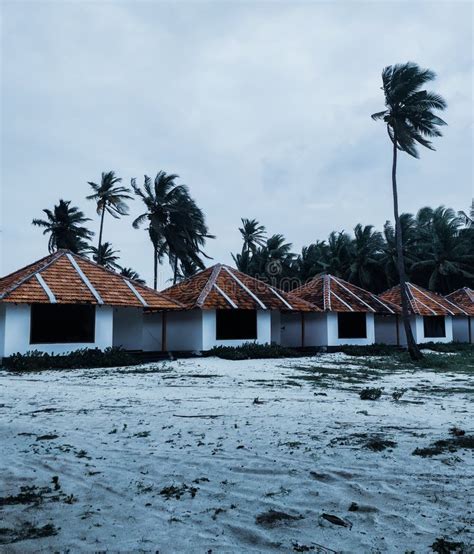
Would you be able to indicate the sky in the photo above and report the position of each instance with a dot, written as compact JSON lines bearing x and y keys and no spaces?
{"x":262,"y":109}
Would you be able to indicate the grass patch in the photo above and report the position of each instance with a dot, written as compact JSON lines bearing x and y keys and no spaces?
{"x":27,"y":531}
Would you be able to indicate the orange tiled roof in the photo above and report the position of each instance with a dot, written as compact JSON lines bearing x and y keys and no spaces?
{"x":67,"y":278}
{"x":464,"y":298}
{"x":422,"y":301}
{"x":223,"y":287}
{"x":332,"y":294}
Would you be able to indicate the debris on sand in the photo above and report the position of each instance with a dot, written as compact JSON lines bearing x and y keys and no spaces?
{"x":444,"y":546}
{"x":257,"y":401}
{"x":378,"y":444}
{"x":313,"y":548}
{"x":398,"y":393}
{"x":457,"y":432}
{"x":370,"y":394}
{"x":354,"y":507}
{"x":47,"y":437}
{"x":274,"y":517}
{"x":446,"y":445}
{"x":335,"y":520}
{"x":27,"y":531}
{"x":177,"y":492}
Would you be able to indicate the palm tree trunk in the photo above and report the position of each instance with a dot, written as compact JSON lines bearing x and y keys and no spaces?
{"x":155,"y":267}
{"x":175,"y":270}
{"x":100,"y":235}
{"x":413,"y":349}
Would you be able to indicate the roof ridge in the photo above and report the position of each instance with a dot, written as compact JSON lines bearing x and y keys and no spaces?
{"x":53,"y":258}
{"x":209,"y":284}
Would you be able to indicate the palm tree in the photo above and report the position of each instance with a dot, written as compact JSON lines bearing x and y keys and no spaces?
{"x":110,"y":198}
{"x":253,"y":235}
{"x":366,"y":248}
{"x":64,"y":224}
{"x":311,"y":260}
{"x":443,"y":260}
{"x":176,"y":225}
{"x":389,"y":259}
{"x":410,"y":120}
{"x":468,"y":219}
{"x":130,"y":273}
{"x":338,"y":254}
{"x":106,"y":256}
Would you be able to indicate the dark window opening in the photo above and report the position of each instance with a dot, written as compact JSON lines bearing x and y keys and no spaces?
{"x":236,"y":324}
{"x":351,"y":325}
{"x":60,"y":323}
{"x":434,"y":326}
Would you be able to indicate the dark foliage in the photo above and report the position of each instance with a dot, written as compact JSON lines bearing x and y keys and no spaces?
{"x":251,"y":350}
{"x":83,"y":358}
{"x":438,"y":247}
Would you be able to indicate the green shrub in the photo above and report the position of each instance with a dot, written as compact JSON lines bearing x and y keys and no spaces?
{"x":252,"y":350}
{"x":78,"y":359}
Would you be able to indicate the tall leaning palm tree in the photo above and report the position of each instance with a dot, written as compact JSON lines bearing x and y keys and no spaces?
{"x":64,"y":224}
{"x":109,"y":198}
{"x":409,"y":118}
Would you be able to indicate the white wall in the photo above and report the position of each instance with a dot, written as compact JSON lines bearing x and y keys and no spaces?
{"x":291,"y":329}
{"x":2,"y":330}
{"x":17,"y":332}
{"x":152,"y":331}
{"x":128,"y":328}
{"x":315,"y":329}
{"x":386,"y":329}
{"x":461,"y":326}
{"x":184,"y":331}
{"x":276,"y":327}
{"x":333,"y":334}
{"x":264,"y":330}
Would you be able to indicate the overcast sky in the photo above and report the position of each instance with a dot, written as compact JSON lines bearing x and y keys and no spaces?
{"x":262,"y":108}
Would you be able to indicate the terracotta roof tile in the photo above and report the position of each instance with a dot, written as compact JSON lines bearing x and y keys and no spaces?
{"x":464,"y":298}
{"x":422,"y":301}
{"x":63,"y":280}
{"x":223,"y":287}
{"x":332,"y":294}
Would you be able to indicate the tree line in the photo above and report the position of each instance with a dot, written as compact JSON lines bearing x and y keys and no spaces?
{"x":432,"y":248}
{"x":438,"y":247}
{"x":175,"y":225}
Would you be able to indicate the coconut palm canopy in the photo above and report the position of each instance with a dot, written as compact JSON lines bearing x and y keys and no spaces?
{"x":65,"y":226}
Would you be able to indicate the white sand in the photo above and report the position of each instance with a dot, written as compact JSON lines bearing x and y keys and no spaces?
{"x":300,"y":454}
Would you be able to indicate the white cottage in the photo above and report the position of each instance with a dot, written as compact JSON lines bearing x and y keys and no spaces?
{"x":431,"y":316}
{"x":463,"y":324}
{"x":225,"y":307}
{"x":65,"y":302}
{"x":347,"y":318}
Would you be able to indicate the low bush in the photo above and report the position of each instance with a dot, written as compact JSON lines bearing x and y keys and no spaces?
{"x":370,"y":394}
{"x":251,"y":350}
{"x":78,"y":359}
{"x":369,"y":350}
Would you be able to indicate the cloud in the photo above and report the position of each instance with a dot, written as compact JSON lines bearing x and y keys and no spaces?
{"x":263,"y":109}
